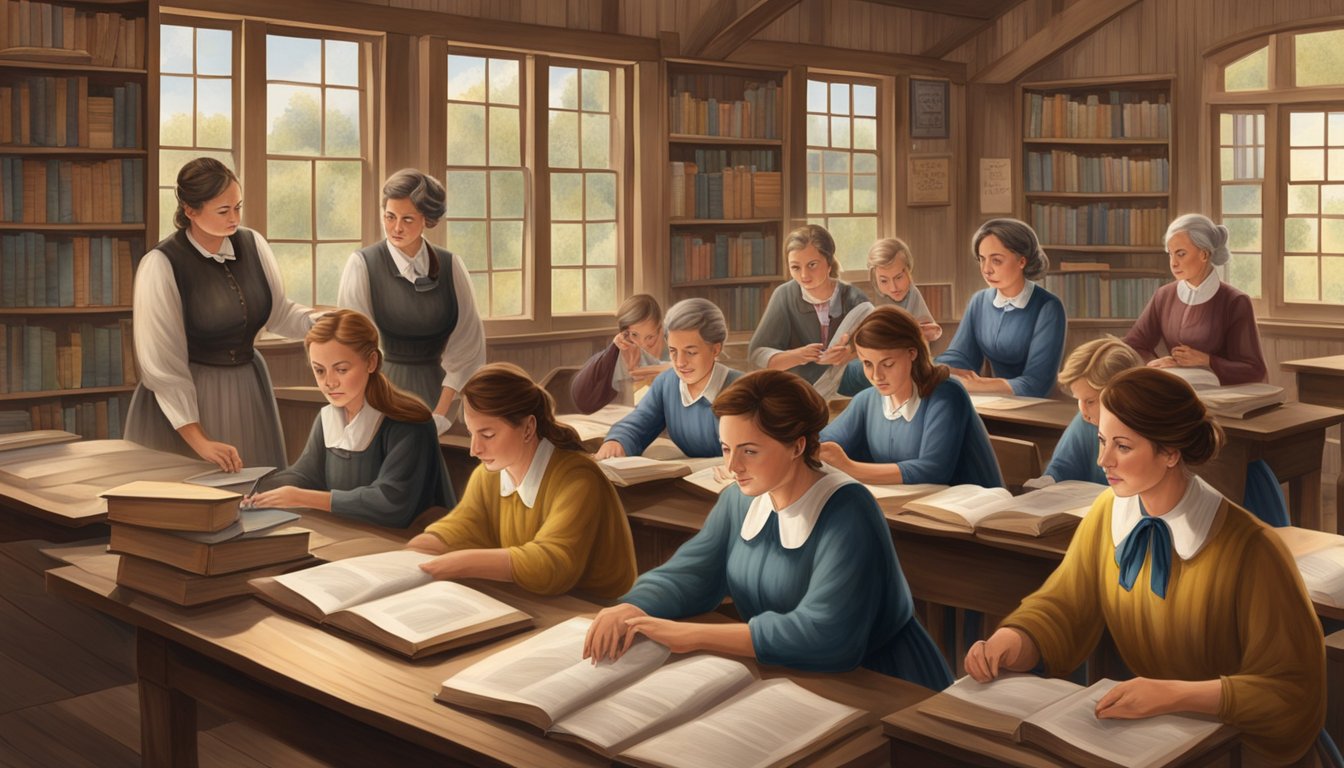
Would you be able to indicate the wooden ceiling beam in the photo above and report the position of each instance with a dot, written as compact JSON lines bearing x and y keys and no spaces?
{"x":1061,"y":31}
{"x":775,"y":54}
{"x":970,"y":9}
{"x":968,"y":33}
{"x":719,"y":33}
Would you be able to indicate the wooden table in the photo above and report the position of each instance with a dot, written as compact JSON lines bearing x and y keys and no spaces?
{"x":353,"y":704}
{"x":1320,"y":380}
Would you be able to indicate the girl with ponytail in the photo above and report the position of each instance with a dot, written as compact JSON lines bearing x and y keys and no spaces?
{"x":537,"y":511}
{"x":373,"y":452}
{"x":1203,"y":601}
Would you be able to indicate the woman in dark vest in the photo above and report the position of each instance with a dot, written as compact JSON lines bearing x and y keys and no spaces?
{"x":419,"y":296}
{"x":201,"y":297}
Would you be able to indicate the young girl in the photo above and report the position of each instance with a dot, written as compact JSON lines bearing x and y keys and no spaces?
{"x":537,"y":511}
{"x":797,"y":325}
{"x":892,"y":268}
{"x":633,"y":357}
{"x":805,"y":555}
{"x":1015,"y":324}
{"x":913,"y":425}
{"x":1203,"y":601}
{"x":680,"y":400}
{"x":373,"y":452}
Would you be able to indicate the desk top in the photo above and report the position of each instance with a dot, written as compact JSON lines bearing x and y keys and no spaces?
{"x":1332,"y":365}
{"x":396,"y":696}
{"x":1288,"y":419}
{"x":1054,"y":414}
{"x":301,"y":395}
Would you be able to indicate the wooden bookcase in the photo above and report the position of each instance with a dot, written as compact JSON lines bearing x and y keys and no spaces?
{"x":1097,"y":187}
{"x":77,"y":116}
{"x":727,"y":186}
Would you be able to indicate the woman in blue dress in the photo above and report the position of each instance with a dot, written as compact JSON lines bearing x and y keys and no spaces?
{"x":1015,"y":324}
{"x":681,"y":398}
{"x":806,"y":556}
{"x":914,"y":424}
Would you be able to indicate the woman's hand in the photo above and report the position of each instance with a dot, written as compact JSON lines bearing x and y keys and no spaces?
{"x":831,"y":453}
{"x":838,"y":354}
{"x":1163,"y":362}
{"x":444,"y":567}
{"x":609,"y":449}
{"x":1145,"y":697}
{"x":974,"y":382}
{"x":724,"y":475}
{"x":1006,"y":649}
{"x":1189,"y":357}
{"x":678,"y":636}
{"x":609,"y":636}
{"x":808,"y":353}
{"x":288,"y":496}
{"x":222,"y":455}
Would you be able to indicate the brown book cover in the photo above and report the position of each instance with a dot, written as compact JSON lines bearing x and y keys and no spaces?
{"x":172,"y":506}
{"x":82,"y":116}
{"x":189,"y":589}
{"x":268,"y":548}
{"x":100,"y":122}
{"x":125,"y":288}
{"x":128,"y":372}
{"x":100,"y":419}
{"x":61,"y":111}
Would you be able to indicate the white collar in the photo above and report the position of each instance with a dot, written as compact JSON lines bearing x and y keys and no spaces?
{"x":225,"y":249}
{"x":716,"y":378}
{"x":797,"y":520}
{"x":527,"y":490}
{"x":411,"y":267}
{"x":1189,"y":521}
{"x":1017,"y":302}
{"x":1196,"y":295}
{"x":352,"y":436}
{"x":833,"y":302}
{"x":906,"y":410}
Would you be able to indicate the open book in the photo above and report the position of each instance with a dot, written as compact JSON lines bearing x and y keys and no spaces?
{"x":386,"y":599}
{"x":595,"y":426}
{"x":691,"y":713}
{"x":631,"y":470}
{"x":1323,"y":573}
{"x":1060,"y":717}
{"x":828,"y":383}
{"x":1235,"y":401}
{"x":1005,"y":402}
{"x":1037,"y":513}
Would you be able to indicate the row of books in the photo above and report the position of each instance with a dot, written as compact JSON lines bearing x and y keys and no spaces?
{"x":1123,"y":115}
{"x":735,"y":193}
{"x":724,"y":105}
{"x":1065,"y":171}
{"x":81,"y":356}
{"x":37,"y":271}
{"x":101,"y":419}
{"x":61,"y":112}
{"x":1099,"y":224}
{"x":716,"y":160}
{"x":1094,"y":294}
{"x":748,"y":254}
{"x":72,"y":191}
{"x":101,"y":39}
{"x":742,"y":305}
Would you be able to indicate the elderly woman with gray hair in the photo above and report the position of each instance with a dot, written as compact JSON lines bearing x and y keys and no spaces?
{"x":1202,"y":321}
{"x":419,"y":295}
{"x":681,"y":399}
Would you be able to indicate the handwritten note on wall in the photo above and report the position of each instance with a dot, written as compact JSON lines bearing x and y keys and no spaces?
{"x":996,"y":185}
{"x":928,"y":181}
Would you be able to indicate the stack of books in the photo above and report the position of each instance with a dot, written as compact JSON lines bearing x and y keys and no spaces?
{"x":189,"y":544}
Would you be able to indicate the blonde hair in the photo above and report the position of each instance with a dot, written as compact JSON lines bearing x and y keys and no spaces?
{"x":884,"y":253}
{"x":356,"y":331}
{"x":1098,"y":361}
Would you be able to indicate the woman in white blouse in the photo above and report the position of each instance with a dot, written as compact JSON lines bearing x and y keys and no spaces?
{"x":419,"y":296}
{"x":201,"y":297}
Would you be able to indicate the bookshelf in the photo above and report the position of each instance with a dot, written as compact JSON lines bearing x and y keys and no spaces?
{"x":1097,"y":187}
{"x":726,"y":153}
{"x":76,"y":121}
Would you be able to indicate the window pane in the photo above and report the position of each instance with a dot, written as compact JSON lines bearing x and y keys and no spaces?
{"x":596,"y":141}
{"x":865,"y":133}
{"x":596,"y":90}
{"x":816,"y":96}
{"x":837,"y":194}
{"x":504,"y":81}
{"x":1332,"y":235}
{"x":1306,"y":129}
{"x":601,"y":289}
{"x":601,"y":242}
{"x":566,"y":291}
{"x":331,"y":258}
{"x":1335,"y":159}
{"x":837,"y":162}
{"x":214,"y":52}
{"x":1332,"y":279}
{"x":1319,"y":57}
{"x":567,"y":196}
{"x":601,"y":195}
{"x":466,"y":78}
{"x":1307,"y":164}
{"x":840,"y":98}
{"x":1336,"y":127}
{"x":1302,"y":198}
{"x":817,"y":128}
{"x":480,"y":288}
{"x":813,"y":160}
{"x":466,"y":194}
{"x":506,"y":194}
{"x":507,"y":294}
{"x":466,"y":134}
{"x":176,"y":107}
{"x":865,"y":162}
{"x":175,"y":49}
{"x":1243,"y":234}
{"x":296,"y":270}
{"x":1243,"y":271}
{"x":1299,"y":235}
{"x":294,"y":120}
{"x":564,"y":93}
{"x":214,"y":113}
{"x":865,"y":100}
{"x":293,"y":58}
{"x":167,"y":205}
{"x":567,"y":244}
{"x":1300,"y":278}
{"x":1241,"y":198}
{"x":814,"y":193}
{"x":1249,"y":73}
{"x":1332,"y":198}
{"x":564,"y":140}
{"x":852,"y":236}
{"x":340,"y":203}
{"x":506,"y":245}
{"x":505,"y":139}
{"x":342,"y":123}
{"x":289,"y":199}
{"x":342,"y":63}
{"x":172,"y":160}
{"x":467,"y":240}
{"x":839,"y":131}
{"x":865,"y":194}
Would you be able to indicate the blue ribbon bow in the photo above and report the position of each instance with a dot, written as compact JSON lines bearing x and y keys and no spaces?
{"x":1151,"y":534}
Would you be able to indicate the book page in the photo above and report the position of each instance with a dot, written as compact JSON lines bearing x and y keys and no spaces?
{"x":1016,"y":694}
{"x":218,"y":479}
{"x":1199,"y":378}
{"x":1072,"y":497}
{"x":1323,"y":573}
{"x":1240,"y":393}
{"x":1005,"y":402}
{"x":904,"y":490}
{"x":759,"y":726}
{"x":335,"y":586}
{"x":1150,"y":741}
{"x":705,"y":478}
{"x":596,"y":424}
{"x":666,"y":696}
{"x":548,"y":670}
{"x":432,"y":609}
{"x":828,"y":383}
{"x":969,"y":502}
{"x":249,"y":522}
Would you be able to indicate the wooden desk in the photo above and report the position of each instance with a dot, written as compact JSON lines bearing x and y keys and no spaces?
{"x":1042,"y":424}
{"x":1320,"y":380}
{"x":353,"y":704}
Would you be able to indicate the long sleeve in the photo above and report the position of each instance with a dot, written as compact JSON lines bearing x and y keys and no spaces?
{"x":964,"y":351}
{"x":853,"y":381}
{"x":464,"y":353}
{"x":695,"y":579}
{"x":391,"y":499}
{"x":309,"y":471}
{"x":849,"y":429}
{"x":287,"y":318}
{"x":354,"y":290}
{"x":1044,"y":353}
{"x":1243,"y":361}
{"x":556,"y":558}
{"x":591,"y":386}
{"x":1146,"y":333}
{"x":161,"y":340}
{"x":648,"y":420}
{"x":916,"y":307}
{"x":1075,"y":456}
{"x":940,"y":443}
{"x":772,"y":333}
{"x":829,"y":628}
{"x":472,"y":523}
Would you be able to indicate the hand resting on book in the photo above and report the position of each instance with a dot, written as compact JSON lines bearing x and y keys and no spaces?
{"x":614,"y":629}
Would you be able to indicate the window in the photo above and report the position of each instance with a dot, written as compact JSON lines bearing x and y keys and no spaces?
{"x":1242,"y":175}
{"x":842,"y":162}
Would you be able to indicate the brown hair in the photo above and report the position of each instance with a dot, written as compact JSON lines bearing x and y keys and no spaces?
{"x":637,"y":309}
{"x":783,"y":405}
{"x":1019,"y":238}
{"x":424,"y":191}
{"x":1164,"y":409}
{"x":506,"y":391}
{"x":198,"y":182}
{"x":816,"y":236}
{"x":890,"y":327}
{"x":1098,"y":361}
{"x":356,"y":331}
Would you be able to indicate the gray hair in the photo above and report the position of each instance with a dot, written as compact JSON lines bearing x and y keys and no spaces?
{"x":1206,"y":236}
{"x":700,"y":315}
{"x":636,"y":309}
{"x":424,"y":191}
{"x":1019,"y":238}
